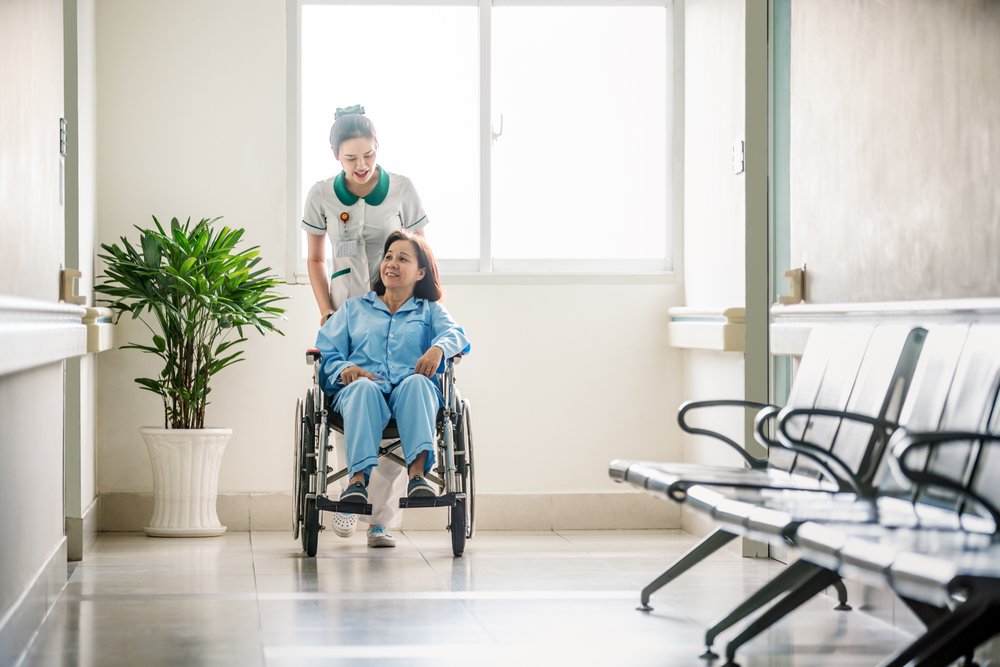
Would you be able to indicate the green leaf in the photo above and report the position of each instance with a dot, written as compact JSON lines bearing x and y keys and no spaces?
{"x":193,"y":287}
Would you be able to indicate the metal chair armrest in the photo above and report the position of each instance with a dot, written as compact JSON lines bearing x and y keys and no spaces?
{"x":760,"y":422}
{"x":829,"y":462}
{"x":688,"y":406}
{"x":933,"y":439}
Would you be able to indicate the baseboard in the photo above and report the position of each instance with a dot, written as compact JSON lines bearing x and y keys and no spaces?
{"x":81,"y":532}
{"x":130,"y":512}
{"x":20,"y":624}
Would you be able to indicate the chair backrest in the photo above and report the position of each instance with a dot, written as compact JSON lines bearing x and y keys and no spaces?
{"x":985,"y":478}
{"x":824,"y":378}
{"x":883,"y":381}
{"x":953,"y":389}
{"x":868,"y":376}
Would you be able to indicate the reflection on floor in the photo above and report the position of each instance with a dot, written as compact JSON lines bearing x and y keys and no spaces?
{"x":540,"y":598}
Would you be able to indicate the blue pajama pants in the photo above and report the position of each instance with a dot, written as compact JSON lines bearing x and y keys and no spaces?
{"x":414,"y":403}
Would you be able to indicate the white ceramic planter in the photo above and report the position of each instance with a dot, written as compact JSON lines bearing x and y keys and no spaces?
{"x":185,"y":480}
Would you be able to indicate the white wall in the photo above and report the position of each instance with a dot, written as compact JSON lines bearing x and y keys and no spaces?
{"x":31,"y":248}
{"x":81,"y":227}
{"x":191,"y":113}
{"x":31,"y":214}
{"x":714,"y":202}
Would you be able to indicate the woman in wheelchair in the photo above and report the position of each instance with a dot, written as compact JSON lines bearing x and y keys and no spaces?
{"x":381,"y":354}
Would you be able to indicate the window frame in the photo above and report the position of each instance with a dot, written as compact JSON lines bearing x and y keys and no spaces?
{"x":486,"y":268}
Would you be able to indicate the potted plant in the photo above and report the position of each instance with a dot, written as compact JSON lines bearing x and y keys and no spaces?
{"x":197,"y":294}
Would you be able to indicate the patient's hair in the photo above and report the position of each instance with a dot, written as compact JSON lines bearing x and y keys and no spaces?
{"x":428,"y":287}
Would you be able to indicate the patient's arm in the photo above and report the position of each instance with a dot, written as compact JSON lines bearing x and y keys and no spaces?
{"x":352,"y":373}
{"x":429,"y":362}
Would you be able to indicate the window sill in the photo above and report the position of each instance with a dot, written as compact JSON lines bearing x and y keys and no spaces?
{"x":510,"y":278}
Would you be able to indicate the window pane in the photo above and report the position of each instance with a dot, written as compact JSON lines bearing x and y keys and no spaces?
{"x":415,"y":71}
{"x":580,"y":170}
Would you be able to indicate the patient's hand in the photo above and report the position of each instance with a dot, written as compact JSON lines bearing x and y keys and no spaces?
{"x":429,"y":362}
{"x":352,"y":373}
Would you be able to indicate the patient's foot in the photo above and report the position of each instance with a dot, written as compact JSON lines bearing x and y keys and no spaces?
{"x":355,"y":493}
{"x":419,"y":488}
{"x":344,"y":524}
{"x":379,"y":537}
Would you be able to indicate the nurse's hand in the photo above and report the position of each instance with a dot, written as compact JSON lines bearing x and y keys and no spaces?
{"x":429,"y":362}
{"x":352,"y":373}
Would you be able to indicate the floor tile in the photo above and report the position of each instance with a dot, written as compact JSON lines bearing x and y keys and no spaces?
{"x":521,"y":598}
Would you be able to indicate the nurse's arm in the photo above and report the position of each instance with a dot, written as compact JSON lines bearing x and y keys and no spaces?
{"x":316,"y":265}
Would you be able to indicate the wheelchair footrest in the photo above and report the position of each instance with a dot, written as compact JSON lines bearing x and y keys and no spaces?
{"x":328,"y":505}
{"x":446,"y":500}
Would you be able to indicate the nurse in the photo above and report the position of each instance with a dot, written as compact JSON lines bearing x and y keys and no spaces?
{"x":357,"y":210}
{"x":381,"y":354}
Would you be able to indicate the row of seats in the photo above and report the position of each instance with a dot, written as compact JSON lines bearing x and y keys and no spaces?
{"x":881,"y":467}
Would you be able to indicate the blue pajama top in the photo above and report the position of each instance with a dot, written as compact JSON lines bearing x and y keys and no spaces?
{"x":363,"y":333}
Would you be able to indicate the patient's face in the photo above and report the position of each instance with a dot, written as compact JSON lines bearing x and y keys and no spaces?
{"x":399,"y":266}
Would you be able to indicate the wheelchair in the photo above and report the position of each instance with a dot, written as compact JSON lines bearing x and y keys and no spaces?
{"x":453,"y":471}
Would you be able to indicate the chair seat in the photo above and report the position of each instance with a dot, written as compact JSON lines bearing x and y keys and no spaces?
{"x":869,"y":551}
{"x":676,"y":479}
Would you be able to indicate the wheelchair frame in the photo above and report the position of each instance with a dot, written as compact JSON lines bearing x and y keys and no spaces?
{"x":453,"y":469}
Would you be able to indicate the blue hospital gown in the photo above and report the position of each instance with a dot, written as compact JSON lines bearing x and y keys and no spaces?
{"x":364,"y":333}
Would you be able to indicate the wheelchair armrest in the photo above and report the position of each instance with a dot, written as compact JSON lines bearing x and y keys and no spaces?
{"x":312,"y":356}
{"x":752,"y":461}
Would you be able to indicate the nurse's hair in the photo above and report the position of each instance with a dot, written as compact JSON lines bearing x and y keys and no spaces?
{"x":428,"y":287}
{"x":350,"y":123}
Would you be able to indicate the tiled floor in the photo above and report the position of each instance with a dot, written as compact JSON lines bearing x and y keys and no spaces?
{"x":541,"y":598}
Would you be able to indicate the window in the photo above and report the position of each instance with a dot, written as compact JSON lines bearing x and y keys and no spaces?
{"x":537,"y":134}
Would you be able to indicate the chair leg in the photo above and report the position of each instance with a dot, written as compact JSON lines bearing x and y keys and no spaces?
{"x":841,"y":595}
{"x":709,"y":545}
{"x":795,"y":599}
{"x":952,"y":637}
{"x":927,"y":613}
{"x":789,"y":578}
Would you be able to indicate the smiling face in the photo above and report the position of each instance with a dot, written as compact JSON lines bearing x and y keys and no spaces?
{"x":357,"y":157}
{"x":400,"y":269}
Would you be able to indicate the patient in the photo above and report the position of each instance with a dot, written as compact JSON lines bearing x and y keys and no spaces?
{"x":381,"y":355}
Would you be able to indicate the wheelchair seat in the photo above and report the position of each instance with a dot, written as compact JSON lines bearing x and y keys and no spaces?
{"x":336,"y":421}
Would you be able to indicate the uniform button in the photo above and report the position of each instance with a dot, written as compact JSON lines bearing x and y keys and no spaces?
{"x":361,"y":243}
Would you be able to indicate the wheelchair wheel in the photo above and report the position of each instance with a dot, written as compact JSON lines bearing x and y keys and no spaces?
{"x":462,"y":515}
{"x":458,"y":527}
{"x":310,"y":528}
{"x":298,"y":456}
{"x":308,"y":514}
{"x":465,"y":463}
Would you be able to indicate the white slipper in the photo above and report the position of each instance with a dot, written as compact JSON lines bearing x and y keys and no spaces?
{"x":344,"y":524}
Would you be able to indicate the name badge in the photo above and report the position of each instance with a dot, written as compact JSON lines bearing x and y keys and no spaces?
{"x":347,"y":248}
